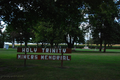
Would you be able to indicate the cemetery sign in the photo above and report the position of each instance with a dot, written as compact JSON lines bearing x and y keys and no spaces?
{"x":44,"y":57}
{"x":45,"y":50}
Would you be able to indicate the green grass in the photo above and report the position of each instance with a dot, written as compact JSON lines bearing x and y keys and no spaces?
{"x":84,"y":65}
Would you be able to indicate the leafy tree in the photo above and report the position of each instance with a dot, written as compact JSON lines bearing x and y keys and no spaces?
{"x":45,"y":32}
{"x":11,"y":34}
{"x":72,"y":16}
{"x":65,"y":13}
{"x":60,"y":15}
{"x":103,"y":22}
{"x":19,"y":16}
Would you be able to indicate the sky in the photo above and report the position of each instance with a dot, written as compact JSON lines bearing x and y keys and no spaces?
{"x":2,"y":23}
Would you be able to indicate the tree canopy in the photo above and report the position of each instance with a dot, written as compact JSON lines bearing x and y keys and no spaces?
{"x":53,"y":21}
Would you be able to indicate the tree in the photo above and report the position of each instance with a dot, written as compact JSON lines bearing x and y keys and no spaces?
{"x":20,"y":12}
{"x":72,"y":16}
{"x":66,"y":14}
{"x":103,"y":22}
{"x":11,"y":34}
{"x":45,"y":32}
{"x":60,"y":15}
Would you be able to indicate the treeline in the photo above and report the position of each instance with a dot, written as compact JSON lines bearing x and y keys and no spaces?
{"x":66,"y":46}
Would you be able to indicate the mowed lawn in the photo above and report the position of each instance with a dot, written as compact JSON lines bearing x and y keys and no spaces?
{"x":84,"y":65}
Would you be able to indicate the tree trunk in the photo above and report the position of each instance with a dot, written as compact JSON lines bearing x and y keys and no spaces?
{"x":37,"y":44}
{"x":25,"y":53}
{"x":104,"y":47}
{"x":13,"y":43}
{"x":2,"y":41}
{"x":21,"y":44}
{"x":56,"y":45}
{"x":100,"y":49}
{"x":108,"y":45}
{"x":111,"y":45}
{"x":42,"y":45}
{"x":71,"y":44}
{"x":97,"y":45}
{"x":51,"y":43}
{"x":25,"y":46}
{"x":91,"y":46}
